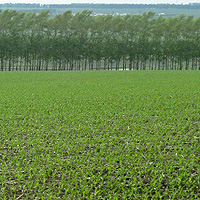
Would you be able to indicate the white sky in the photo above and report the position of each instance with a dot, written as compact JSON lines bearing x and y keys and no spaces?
{"x":100,"y":1}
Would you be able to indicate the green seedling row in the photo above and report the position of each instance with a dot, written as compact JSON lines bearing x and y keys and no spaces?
{"x":100,"y":135}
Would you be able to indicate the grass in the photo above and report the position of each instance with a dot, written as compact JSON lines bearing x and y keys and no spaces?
{"x":100,"y":135}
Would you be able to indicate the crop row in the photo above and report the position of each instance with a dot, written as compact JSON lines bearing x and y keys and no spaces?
{"x":100,"y":135}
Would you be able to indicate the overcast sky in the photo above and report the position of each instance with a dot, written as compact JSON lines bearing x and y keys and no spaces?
{"x":100,"y":1}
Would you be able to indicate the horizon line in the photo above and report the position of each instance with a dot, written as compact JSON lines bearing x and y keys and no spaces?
{"x":108,"y":3}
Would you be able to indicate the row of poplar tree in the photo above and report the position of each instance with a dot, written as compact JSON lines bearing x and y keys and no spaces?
{"x":81,"y":41}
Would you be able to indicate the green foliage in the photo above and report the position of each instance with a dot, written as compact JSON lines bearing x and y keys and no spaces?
{"x":81,"y":41}
{"x":100,"y":135}
{"x":169,"y":10}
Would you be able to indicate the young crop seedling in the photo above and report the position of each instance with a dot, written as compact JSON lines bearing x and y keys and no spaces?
{"x":100,"y":135}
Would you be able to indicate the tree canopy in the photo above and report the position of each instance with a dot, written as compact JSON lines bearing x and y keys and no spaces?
{"x":30,"y":41}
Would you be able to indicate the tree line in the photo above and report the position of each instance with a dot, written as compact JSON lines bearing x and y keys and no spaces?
{"x":101,"y":6}
{"x":30,"y":41}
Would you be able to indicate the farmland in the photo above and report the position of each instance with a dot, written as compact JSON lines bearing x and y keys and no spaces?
{"x":100,"y":135}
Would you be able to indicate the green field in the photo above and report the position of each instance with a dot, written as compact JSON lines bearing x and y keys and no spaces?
{"x":100,"y":135}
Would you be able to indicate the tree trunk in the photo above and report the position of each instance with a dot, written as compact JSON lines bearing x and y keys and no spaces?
{"x":196,"y":64}
{"x":105,"y":64}
{"x":144,"y":65}
{"x":192,"y":64}
{"x":159,"y":65}
{"x":124,"y":64}
{"x":130,"y":65}
{"x":9,"y":65}
{"x":1,"y":63}
{"x":13,"y":64}
{"x":20,"y":64}
{"x":187,"y":64}
{"x":152,"y":65}
{"x":60,"y":65}
{"x":17,"y":64}
{"x":180,"y":64}
{"x":92,"y":65}
{"x":199,"y":63}
{"x":85,"y":67}
{"x":155,"y":64}
{"x":163,"y":64}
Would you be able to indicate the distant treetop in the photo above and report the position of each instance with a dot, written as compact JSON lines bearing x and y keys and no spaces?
{"x":102,"y":6}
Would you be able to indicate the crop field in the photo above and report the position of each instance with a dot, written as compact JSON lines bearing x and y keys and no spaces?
{"x":100,"y":135}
